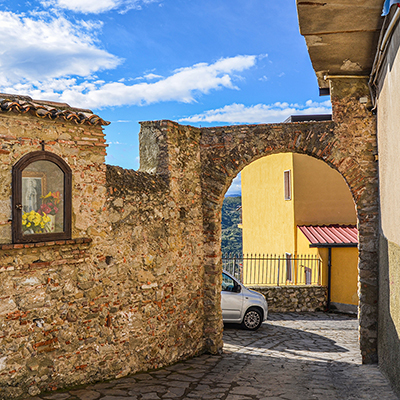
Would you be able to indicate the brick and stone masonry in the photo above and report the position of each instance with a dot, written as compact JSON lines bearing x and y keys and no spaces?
{"x":295,"y":298}
{"x":138,"y":285}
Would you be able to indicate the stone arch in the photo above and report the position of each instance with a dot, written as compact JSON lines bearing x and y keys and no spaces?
{"x":225,"y":151}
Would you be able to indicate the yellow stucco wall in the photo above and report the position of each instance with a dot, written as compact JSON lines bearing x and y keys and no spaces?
{"x":344,"y":275}
{"x":267,"y":219}
{"x":303,"y":248}
{"x":319,"y":196}
{"x":322,"y":195}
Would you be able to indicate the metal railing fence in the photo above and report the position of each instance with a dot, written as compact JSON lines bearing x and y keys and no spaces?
{"x":274,"y":270}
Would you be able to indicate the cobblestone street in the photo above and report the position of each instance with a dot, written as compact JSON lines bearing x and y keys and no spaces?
{"x":291,"y":357}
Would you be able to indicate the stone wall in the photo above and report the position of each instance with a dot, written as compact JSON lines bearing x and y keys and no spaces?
{"x":348,"y":144}
{"x":295,"y":298}
{"x":356,"y":128}
{"x":138,"y":286}
{"x":81,"y":146}
{"x":126,"y":292}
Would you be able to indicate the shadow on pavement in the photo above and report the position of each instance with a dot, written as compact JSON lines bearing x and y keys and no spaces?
{"x":280,"y":338}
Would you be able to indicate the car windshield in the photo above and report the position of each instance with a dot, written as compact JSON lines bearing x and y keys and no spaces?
{"x":228,"y":284}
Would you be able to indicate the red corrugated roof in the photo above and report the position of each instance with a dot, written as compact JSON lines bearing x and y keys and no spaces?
{"x":330,"y":234}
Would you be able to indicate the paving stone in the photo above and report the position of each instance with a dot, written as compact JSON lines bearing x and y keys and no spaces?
{"x":292,"y":356}
{"x":113,"y":392}
{"x":151,"y":396}
{"x":178,"y":392}
{"x":56,"y":396}
{"x":103,"y":385}
{"x":118,"y":398}
{"x":86,"y":394}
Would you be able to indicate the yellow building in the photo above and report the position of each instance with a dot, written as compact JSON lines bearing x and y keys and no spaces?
{"x":285,"y":194}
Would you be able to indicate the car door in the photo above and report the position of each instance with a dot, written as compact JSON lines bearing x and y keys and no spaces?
{"x":231,"y":300}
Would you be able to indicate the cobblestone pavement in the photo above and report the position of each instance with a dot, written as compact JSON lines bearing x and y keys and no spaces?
{"x":291,"y":357}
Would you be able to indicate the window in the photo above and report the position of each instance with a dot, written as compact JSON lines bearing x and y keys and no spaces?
{"x":228,"y":284}
{"x":287,"y":184}
{"x":41,"y":185}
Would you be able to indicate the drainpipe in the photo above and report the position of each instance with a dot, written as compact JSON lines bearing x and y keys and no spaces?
{"x":380,"y":54}
{"x":328,"y":305}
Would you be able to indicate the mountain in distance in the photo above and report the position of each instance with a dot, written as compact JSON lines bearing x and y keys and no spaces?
{"x":231,"y":216}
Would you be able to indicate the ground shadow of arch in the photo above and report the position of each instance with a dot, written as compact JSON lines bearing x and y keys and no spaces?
{"x":225,"y":151}
{"x":281,"y":339}
{"x":305,"y":316}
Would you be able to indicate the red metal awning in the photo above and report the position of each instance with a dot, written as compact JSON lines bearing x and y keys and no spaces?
{"x":330,"y":235}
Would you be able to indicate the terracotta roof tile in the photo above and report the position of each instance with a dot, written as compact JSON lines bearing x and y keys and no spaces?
{"x":48,"y":109}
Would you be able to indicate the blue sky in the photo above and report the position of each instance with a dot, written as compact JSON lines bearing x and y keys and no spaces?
{"x":204,"y":62}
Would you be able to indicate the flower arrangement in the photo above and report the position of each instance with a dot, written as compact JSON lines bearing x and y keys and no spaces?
{"x":33,"y":222}
{"x":49,"y":205}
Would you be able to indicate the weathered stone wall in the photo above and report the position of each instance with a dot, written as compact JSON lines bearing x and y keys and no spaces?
{"x":356,"y":128}
{"x":126,"y":293}
{"x":82,"y":147}
{"x":138,"y":286}
{"x":295,"y":298}
{"x":348,"y":144}
{"x":48,"y":289}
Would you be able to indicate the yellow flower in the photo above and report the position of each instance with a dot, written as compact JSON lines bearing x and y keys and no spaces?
{"x":47,"y":196}
{"x":28,"y":224}
{"x":24,"y":222}
{"x":42,"y":225}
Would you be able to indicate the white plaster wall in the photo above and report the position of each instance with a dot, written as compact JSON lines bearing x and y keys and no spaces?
{"x":389,"y":143}
{"x":389,"y":187}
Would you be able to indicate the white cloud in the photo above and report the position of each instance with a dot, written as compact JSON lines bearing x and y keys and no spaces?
{"x":152,"y":76}
{"x":259,"y":113}
{"x":46,"y":56}
{"x":183,"y":85}
{"x":33,"y":49}
{"x":97,"y":6}
{"x":236,"y":187}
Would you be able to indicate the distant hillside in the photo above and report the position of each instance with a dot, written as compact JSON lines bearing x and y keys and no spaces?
{"x":231,"y":234}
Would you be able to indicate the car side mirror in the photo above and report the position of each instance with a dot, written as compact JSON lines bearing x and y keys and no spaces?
{"x":238,"y":288}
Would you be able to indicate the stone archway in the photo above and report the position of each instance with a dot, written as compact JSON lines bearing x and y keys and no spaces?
{"x":200,"y":163}
{"x":226,"y":151}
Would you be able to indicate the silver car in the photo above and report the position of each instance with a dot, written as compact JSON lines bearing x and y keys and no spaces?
{"x":242,"y":305}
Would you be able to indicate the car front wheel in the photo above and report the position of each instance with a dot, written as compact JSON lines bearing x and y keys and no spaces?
{"x":252,"y":320}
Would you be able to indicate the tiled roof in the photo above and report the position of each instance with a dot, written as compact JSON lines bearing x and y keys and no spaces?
{"x":331,"y":235}
{"x":48,"y":109}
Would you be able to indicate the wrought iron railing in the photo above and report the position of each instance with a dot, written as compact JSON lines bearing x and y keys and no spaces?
{"x":274,"y":270}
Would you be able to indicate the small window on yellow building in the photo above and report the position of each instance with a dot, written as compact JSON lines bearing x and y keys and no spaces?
{"x":288,"y":185}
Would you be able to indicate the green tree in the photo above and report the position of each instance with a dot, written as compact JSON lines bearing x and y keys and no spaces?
{"x":231,"y":216}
